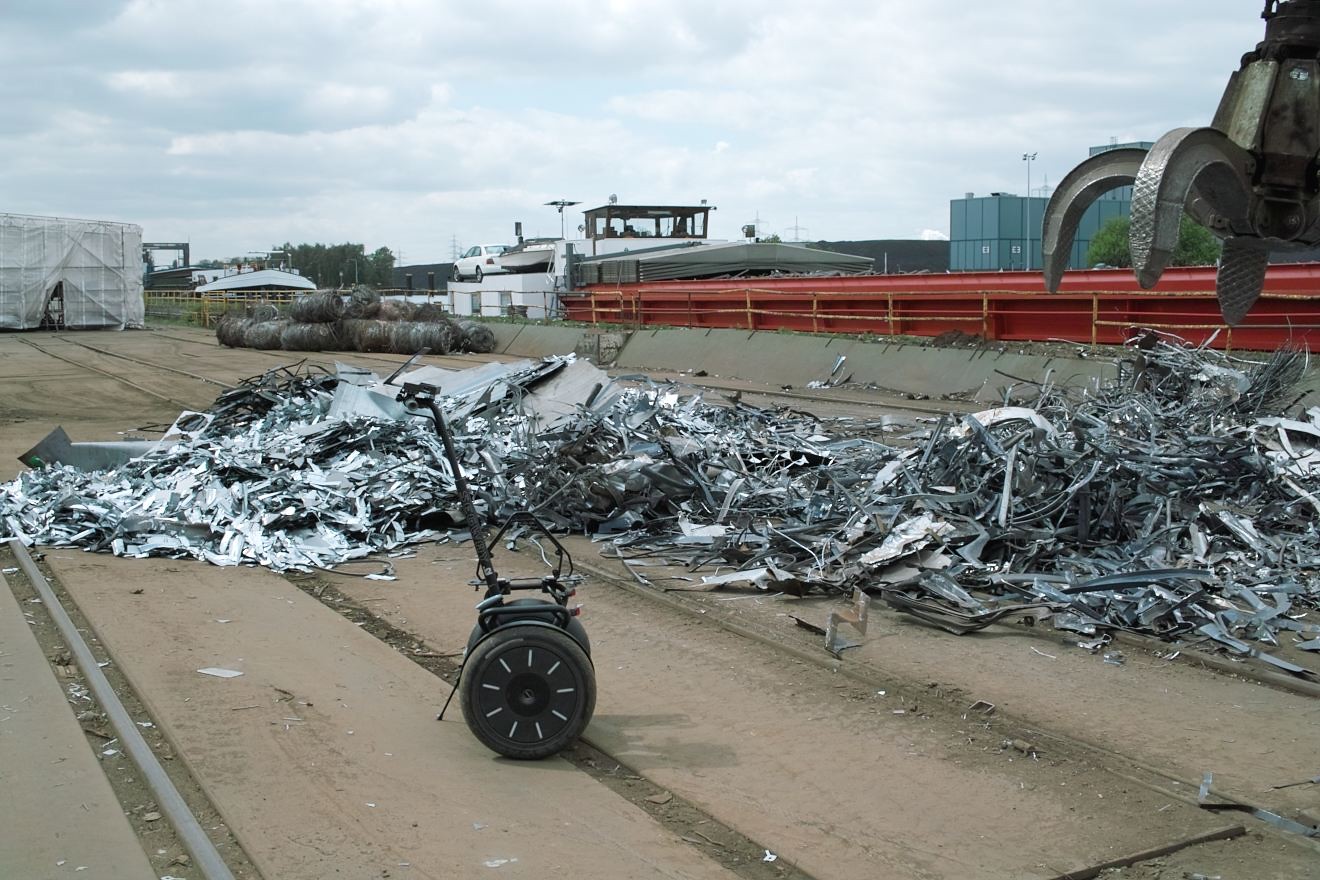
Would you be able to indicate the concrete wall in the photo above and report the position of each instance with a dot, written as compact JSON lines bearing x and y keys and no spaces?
{"x":796,"y":359}
{"x":792,"y":359}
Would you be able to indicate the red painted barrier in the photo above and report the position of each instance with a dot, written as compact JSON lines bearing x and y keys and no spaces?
{"x":1101,"y":306}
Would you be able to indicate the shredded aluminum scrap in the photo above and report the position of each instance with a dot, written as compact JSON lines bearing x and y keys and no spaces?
{"x":1179,"y":502}
{"x":290,"y":470}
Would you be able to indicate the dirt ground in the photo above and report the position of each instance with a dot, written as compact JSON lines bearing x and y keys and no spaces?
{"x":726,"y":741}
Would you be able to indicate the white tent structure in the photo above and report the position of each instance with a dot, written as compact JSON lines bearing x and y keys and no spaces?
{"x":80,"y":274}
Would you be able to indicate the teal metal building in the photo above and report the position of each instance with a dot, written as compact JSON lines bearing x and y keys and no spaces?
{"x":1002,"y":231}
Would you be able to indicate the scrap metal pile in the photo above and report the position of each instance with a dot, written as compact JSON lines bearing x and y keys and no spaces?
{"x":1178,"y":502}
{"x":291,"y":469}
{"x":324,"y":321}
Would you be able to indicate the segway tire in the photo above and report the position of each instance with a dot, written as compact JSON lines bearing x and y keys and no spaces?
{"x":575,"y":628}
{"x":528,"y":691}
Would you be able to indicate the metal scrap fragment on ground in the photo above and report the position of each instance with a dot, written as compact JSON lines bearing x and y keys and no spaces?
{"x":1179,"y":502}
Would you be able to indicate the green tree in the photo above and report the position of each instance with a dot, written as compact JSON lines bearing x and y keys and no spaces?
{"x":380,"y":268}
{"x":336,"y":264}
{"x":1197,"y":246}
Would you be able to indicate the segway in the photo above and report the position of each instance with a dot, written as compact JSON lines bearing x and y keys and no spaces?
{"x":527,"y":686}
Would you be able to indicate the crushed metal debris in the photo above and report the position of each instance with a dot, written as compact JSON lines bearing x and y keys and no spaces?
{"x":1178,"y":502}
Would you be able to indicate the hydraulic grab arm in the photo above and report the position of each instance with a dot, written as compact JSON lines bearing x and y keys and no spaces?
{"x":1250,"y":177}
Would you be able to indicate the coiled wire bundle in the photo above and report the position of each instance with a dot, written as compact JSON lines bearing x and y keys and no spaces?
{"x":365,"y":323}
{"x":322,"y":307}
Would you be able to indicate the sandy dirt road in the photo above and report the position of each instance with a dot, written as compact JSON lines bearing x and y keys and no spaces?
{"x":839,"y":779}
{"x":829,"y":777}
{"x":1140,"y":707}
{"x":325,"y":756}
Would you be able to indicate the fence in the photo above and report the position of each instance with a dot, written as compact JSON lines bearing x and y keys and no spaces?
{"x":183,"y":306}
{"x":204,"y":310}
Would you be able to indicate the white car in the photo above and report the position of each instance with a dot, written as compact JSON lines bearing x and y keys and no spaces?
{"x":479,"y":260}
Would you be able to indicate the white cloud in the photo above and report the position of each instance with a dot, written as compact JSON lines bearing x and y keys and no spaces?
{"x":412,"y":122}
{"x":149,"y":83}
{"x":344,"y":99}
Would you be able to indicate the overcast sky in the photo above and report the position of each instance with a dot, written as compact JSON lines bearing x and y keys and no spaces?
{"x":409,"y":124}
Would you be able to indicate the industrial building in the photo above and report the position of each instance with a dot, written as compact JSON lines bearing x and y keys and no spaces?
{"x":1002,"y":231}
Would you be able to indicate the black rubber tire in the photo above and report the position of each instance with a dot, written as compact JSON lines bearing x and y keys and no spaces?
{"x":534,"y":679}
{"x":575,"y":628}
{"x":478,"y":275}
{"x":456,"y":275}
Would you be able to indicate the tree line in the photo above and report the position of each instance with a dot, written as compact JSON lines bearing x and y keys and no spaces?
{"x":1197,"y":246}
{"x":333,"y":265}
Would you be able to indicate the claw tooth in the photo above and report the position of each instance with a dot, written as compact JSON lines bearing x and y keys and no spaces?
{"x":1075,"y":193}
{"x":1241,"y":276}
{"x":1163,"y":186}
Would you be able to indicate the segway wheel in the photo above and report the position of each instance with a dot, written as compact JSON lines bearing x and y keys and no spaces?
{"x":527,"y":691}
{"x":575,"y":628}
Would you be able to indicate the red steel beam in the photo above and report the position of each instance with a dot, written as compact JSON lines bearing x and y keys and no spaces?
{"x":1096,"y":306}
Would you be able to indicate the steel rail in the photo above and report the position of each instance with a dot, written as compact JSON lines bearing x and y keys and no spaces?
{"x":134,"y":360}
{"x":120,"y":379}
{"x":171,"y":803}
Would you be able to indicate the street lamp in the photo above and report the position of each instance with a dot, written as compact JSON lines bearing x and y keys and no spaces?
{"x":1026,"y":231}
{"x":561,"y":204}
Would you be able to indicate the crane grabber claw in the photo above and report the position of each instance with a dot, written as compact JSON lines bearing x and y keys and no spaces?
{"x":1087,"y":182}
{"x":1250,"y":177}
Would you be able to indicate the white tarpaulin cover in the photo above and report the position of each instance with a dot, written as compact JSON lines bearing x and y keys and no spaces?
{"x":96,"y":266}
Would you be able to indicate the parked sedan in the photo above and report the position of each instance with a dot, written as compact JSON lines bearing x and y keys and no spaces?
{"x":479,"y":260}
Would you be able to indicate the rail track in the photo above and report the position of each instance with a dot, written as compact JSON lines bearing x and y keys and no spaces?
{"x":140,"y":767}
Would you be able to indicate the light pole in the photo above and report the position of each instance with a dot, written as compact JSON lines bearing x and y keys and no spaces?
{"x":561,"y":204}
{"x":1026,"y":231}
